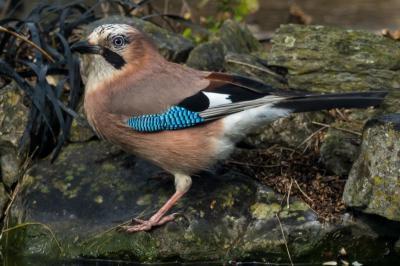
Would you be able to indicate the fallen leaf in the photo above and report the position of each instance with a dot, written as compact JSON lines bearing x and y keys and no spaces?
{"x":213,"y":204}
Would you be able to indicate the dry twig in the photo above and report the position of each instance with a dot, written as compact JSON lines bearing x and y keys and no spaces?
{"x":302,"y":191}
{"x":31,"y":43}
{"x":259,"y":68}
{"x":283,"y":234}
{"x":114,"y":228}
{"x":320,"y":124}
{"x":45,"y":226}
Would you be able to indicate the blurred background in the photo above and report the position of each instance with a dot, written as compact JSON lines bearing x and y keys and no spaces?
{"x":262,"y":16}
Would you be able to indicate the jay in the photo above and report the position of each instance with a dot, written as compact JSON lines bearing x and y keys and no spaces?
{"x":178,"y":118}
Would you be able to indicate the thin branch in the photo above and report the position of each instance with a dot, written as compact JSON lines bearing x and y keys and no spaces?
{"x":185,"y":4}
{"x":316,"y":123}
{"x":23,"y":225}
{"x":302,"y":191}
{"x":290,"y":188}
{"x":283,"y":234}
{"x":312,"y":135}
{"x":259,"y":68}
{"x":111,"y":229}
{"x":256,"y":165}
{"x":31,"y":43}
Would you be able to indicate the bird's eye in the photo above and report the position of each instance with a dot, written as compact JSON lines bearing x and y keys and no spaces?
{"x":119,"y":41}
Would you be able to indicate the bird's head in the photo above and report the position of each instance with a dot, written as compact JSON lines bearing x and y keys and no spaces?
{"x":114,"y":45}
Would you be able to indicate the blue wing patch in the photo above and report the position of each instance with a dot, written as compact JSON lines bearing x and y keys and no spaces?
{"x":174,"y":118}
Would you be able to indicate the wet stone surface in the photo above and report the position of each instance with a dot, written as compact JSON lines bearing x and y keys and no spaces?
{"x":78,"y":199}
{"x":374,"y":185}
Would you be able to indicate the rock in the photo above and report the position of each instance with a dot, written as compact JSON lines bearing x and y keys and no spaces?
{"x":174,"y":47}
{"x":232,"y":64}
{"x":237,"y":38}
{"x":3,"y":200}
{"x":208,"y":56}
{"x":78,"y":199}
{"x":232,"y":37}
{"x":323,"y":59}
{"x":78,"y":132}
{"x":289,"y":132}
{"x":363,"y":114}
{"x":397,"y":246}
{"x":339,"y":148}
{"x":13,"y":119}
{"x":373,"y":184}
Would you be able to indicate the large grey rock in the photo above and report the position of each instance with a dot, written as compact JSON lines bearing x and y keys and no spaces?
{"x":13,"y":119}
{"x":78,"y":132}
{"x":79,"y":199}
{"x":232,"y":37}
{"x":290,"y":131}
{"x":373,"y":184}
{"x":339,"y":149}
{"x":172,"y":46}
{"x":323,"y":59}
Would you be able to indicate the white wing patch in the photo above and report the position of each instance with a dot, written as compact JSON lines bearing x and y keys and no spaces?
{"x":217,"y":99}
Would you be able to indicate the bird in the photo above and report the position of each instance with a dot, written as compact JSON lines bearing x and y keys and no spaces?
{"x":181,"y":119}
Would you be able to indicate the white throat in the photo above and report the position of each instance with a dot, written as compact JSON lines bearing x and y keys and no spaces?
{"x":97,"y":70}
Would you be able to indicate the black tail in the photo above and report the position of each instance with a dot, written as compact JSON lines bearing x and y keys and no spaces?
{"x":317,"y":102}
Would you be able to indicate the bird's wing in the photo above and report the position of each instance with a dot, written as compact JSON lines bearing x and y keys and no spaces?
{"x":228,"y":94}
{"x":183,"y":97}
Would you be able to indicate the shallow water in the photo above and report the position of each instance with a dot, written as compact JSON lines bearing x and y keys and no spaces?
{"x":13,"y":261}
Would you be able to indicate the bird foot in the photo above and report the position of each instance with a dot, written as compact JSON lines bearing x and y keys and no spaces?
{"x":147,"y":225}
{"x":163,"y":177}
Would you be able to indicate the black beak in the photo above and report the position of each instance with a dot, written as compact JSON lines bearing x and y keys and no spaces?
{"x":85,"y":48}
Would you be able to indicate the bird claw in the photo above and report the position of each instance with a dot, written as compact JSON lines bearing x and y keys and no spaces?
{"x":147,"y":225}
{"x":163,"y":177}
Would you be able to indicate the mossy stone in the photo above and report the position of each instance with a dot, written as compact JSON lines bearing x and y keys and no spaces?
{"x":373,"y":185}
{"x":78,"y":132}
{"x":78,"y":200}
{"x":13,"y":120}
{"x":233,"y":37}
{"x":338,"y":150}
{"x":330,"y":60}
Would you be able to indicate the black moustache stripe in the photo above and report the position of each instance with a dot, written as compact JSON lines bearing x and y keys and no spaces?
{"x":113,"y":58}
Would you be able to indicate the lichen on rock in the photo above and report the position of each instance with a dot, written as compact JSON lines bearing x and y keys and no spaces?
{"x":374,"y":185}
{"x":13,"y":120}
{"x":330,"y":60}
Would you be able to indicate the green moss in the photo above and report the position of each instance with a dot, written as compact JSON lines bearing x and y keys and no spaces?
{"x":145,"y":200}
{"x":298,"y":206}
{"x":262,"y":210}
{"x":98,"y":199}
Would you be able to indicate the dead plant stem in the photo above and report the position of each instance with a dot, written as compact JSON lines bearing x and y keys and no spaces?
{"x":31,"y":43}
{"x":283,"y":234}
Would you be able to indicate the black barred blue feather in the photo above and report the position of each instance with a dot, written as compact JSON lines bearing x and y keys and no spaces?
{"x":174,"y":118}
